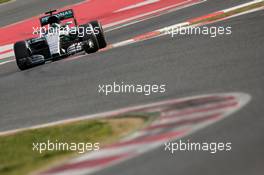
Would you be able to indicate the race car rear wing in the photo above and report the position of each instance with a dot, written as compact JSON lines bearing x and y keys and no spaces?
{"x":67,"y":14}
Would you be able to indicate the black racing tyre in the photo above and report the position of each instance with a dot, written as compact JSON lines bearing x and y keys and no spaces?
{"x":21,"y":52}
{"x":88,"y":37}
{"x":99,"y":32}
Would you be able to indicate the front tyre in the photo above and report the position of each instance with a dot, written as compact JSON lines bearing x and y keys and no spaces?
{"x":21,"y":54}
{"x":99,"y":32}
{"x":89,"y":40}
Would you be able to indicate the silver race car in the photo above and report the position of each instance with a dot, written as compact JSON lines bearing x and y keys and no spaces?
{"x":58,"y":40}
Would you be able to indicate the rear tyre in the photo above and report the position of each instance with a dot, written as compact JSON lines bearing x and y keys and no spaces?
{"x":99,"y":32}
{"x":21,"y":53}
{"x":90,"y":42}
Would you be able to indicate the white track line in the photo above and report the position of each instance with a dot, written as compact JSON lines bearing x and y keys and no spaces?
{"x":6,"y":47}
{"x":140,"y":4}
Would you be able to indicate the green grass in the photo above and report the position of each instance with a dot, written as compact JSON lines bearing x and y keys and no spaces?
{"x":16,"y":150}
{"x":233,"y":12}
{"x":3,"y":1}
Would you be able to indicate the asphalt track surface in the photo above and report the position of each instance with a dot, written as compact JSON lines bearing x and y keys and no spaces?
{"x":199,"y":65}
{"x":188,"y":65}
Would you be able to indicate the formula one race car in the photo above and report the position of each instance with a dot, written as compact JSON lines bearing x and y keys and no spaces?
{"x":57,"y":40}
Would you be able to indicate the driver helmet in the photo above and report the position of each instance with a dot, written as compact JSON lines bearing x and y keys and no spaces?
{"x":54,"y":21}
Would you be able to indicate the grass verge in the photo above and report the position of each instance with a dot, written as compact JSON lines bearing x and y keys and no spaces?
{"x":16,"y":150}
{"x":3,"y":1}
